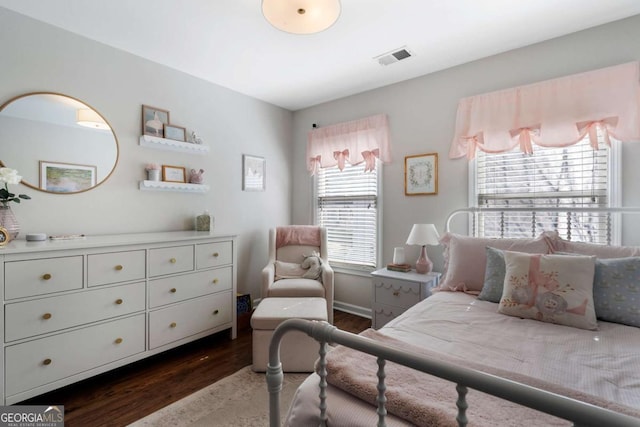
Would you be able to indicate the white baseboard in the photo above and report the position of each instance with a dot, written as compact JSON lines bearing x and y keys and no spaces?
{"x":352,"y":309}
{"x":341,"y":306}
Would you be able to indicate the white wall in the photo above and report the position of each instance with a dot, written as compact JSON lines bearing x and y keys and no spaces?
{"x":422,"y":115}
{"x":39,"y":57}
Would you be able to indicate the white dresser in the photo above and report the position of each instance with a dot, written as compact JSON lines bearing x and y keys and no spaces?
{"x":394,"y":292}
{"x":75,"y":308}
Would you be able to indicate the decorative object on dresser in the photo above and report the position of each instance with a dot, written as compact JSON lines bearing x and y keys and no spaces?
{"x":74,"y":308}
{"x":8,"y":220}
{"x":153,"y":121}
{"x":421,"y":174}
{"x":204,"y":222}
{"x":5,"y":237}
{"x":423,"y":235}
{"x":394,"y":292}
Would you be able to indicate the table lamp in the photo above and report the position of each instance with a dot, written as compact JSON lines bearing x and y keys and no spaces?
{"x":423,"y":235}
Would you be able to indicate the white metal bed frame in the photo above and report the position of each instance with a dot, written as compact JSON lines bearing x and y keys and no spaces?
{"x":580,"y":413}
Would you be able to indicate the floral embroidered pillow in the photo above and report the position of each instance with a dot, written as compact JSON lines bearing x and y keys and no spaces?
{"x":550,"y":288}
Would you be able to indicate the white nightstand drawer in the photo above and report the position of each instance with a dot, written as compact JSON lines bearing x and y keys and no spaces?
{"x":179,"y":288}
{"x":115,"y":267}
{"x":176,"y":259}
{"x":36,"y":317}
{"x":42,"y":276}
{"x":396,"y":292}
{"x":214,"y":254}
{"x":382,"y":314}
{"x":189,"y":318}
{"x":42,"y":361}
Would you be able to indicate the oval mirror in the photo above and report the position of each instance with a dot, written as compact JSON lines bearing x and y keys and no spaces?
{"x":57,"y":143}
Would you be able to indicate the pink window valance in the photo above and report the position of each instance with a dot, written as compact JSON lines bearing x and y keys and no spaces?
{"x":354,"y":142}
{"x":553,"y":113}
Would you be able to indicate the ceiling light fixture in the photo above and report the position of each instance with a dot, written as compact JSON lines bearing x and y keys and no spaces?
{"x":89,"y":118}
{"x":301,"y":16}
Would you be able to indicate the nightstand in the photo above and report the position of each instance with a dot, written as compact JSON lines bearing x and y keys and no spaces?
{"x":394,"y":292}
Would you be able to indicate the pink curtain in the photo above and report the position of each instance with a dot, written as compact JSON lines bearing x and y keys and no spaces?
{"x":353,"y":142}
{"x":553,"y":113}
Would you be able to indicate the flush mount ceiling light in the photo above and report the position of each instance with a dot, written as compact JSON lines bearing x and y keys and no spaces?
{"x":91,"y":119}
{"x":301,"y":16}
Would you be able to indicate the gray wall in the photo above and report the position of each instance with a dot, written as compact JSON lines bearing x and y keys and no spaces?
{"x":422,"y":115}
{"x":39,"y":57}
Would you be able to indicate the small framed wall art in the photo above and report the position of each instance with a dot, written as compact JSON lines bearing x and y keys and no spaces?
{"x":66,"y":177}
{"x":253,"y":173}
{"x":421,"y":174}
{"x":153,"y":121}
{"x":173,"y":174}
{"x":177,"y":133}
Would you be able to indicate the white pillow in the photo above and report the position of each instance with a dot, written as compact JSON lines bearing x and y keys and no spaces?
{"x":550,"y":288}
{"x":288,"y":270}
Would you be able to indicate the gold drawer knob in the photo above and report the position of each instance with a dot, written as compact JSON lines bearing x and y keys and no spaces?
{"x":396,"y":293}
{"x":46,"y":362}
{"x":215,"y":281}
{"x":119,"y":301}
{"x":216,"y":254}
{"x":46,"y":316}
{"x":118,"y":341}
{"x":118,"y":267}
{"x":173,"y":290}
{"x":216,"y":312}
{"x":46,"y":276}
{"x":173,"y":324}
{"x":173,"y":260}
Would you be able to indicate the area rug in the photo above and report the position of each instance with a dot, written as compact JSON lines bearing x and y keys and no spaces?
{"x":239,"y":400}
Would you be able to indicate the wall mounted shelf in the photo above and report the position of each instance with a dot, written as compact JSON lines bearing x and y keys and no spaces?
{"x":173,"y":186}
{"x":172,"y":145}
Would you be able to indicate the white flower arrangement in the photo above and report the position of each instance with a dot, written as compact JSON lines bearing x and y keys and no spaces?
{"x":10,"y":176}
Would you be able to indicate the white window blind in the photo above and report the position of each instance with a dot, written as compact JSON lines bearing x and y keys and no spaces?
{"x":347,"y":205}
{"x":573,"y":176}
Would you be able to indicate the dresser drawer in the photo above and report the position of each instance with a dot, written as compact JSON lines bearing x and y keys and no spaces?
{"x":176,"y":259}
{"x":36,"y":317}
{"x":214,"y":254}
{"x":42,"y":276}
{"x":395,"y":292}
{"x":35,"y":363}
{"x":115,"y":267}
{"x":189,"y":318}
{"x":382,"y":314}
{"x":179,"y":288}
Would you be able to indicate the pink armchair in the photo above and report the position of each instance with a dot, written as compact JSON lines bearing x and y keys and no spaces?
{"x":283,"y":276}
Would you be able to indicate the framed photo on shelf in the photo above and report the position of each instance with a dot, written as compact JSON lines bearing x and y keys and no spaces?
{"x":421,"y":174}
{"x":173,"y":174}
{"x":66,"y":177}
{"x":153,"y":121}
{"x":253,"y":173}
{"x":177,"y":133}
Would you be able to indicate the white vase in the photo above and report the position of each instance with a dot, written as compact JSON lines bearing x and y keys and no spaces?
{"x":153,"y":175}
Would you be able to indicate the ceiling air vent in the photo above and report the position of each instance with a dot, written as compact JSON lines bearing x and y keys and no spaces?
{"x":394,"y":56}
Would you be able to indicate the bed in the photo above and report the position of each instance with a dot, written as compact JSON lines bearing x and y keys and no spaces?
{"x":550,"y":337}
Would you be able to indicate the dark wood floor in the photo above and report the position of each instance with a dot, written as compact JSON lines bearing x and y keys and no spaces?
{"x":124,"y":395}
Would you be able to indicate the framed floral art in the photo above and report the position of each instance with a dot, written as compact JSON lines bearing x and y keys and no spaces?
{"x":421,"y":174}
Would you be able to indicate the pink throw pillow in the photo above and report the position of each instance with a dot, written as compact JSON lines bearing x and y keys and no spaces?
{"x":550,"y":288}
{"x":465,"y":258}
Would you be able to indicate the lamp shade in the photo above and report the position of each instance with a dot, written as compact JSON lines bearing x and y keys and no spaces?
{"x":423,"y":234}
{"x":302,"y":16}
{"x":89,"y":118}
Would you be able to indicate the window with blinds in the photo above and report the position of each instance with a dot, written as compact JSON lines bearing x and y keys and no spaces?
{"x":573,"y":176}
{"x":347,"y":205}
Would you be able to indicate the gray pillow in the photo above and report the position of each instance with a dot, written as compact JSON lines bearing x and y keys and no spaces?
{"x":493,"y":276}
{"x":616,"y":290}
